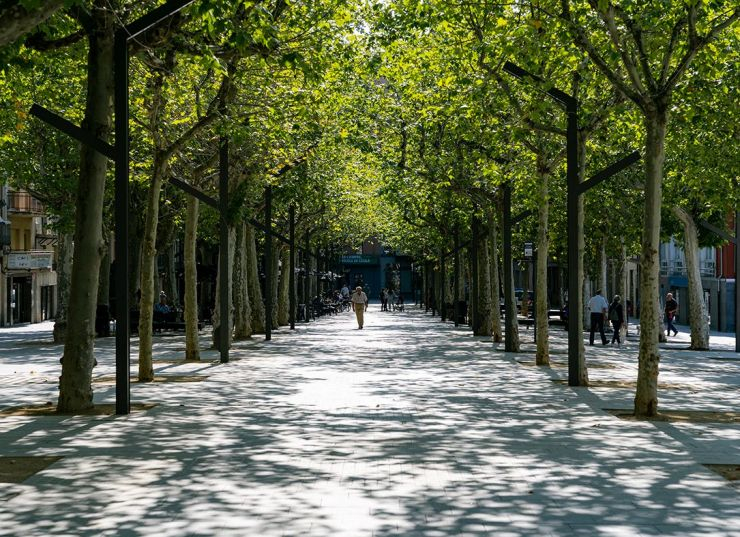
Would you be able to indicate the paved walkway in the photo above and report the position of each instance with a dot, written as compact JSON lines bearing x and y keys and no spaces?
{"x":408,"y":427}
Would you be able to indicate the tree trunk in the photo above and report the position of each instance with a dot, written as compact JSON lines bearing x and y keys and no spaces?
{"x":697,"y":310}
{"x":192,"y":345}
{"x":75,"y":383}
{"x":255,"y":291}
{"x":485,"y":307}
{"x":543,"y":247}
{"x":242,"y":306}
{"x":646,"y":394}
{"x":170,"y":276}
{"x":603,"y":279}
{"x":148,"y":261}
{"x":512,"y":325}
{"x":104,"y":276}
{"x":218,"y":322}
{"x":274,"y":282}
{"x":283,"y":304}
{"x":495,"y":279}
{"x":65,"y":253}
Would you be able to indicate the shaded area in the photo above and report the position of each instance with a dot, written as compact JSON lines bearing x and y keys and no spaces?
{"x":18,"y":469}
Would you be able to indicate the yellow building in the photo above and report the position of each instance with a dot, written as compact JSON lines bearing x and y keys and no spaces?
{"x":27,"y":280}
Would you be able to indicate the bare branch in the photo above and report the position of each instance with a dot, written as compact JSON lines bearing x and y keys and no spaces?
{"x":585,"y":44}
{"x":16,"y":20}
{"x":620,"y":43}
{"x":670,"y":49}
{"x":694,"y":48}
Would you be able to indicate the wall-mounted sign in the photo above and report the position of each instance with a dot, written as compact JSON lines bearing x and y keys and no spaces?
{"x":359,"y":259}
{"x":528,"y":249}
{"x":30,"y":260}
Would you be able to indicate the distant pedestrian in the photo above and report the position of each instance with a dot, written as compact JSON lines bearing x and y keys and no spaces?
{"x":345,"y":291}
{"x":671,"y":310}
{"x":384,"y":299}
{"x":598,"y":306}
{"x":616,"y":316}
{"x":359,"y":305}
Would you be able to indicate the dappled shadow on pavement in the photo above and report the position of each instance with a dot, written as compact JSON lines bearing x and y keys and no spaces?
{"x":408,"y":427}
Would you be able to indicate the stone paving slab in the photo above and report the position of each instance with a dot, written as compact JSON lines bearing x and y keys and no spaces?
{"x":408,"y":427}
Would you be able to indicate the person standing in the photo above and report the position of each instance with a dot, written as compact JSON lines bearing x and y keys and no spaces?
{"x":671,"y":309}
{"x":616,"y":316}
{"x":598,"y":307}
{"x":359,"y":305}
{"x":384,"y":299}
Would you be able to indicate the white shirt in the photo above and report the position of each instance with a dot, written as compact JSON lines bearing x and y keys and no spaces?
{"x":598,"y":304}
{"x":359,"y":298}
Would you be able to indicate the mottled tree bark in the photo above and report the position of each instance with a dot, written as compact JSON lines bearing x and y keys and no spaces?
{"x":65,"y":253}
{"x":697,"y":310}
{"x":75,"y":383}
{"x":242,"y":306}
{"x":255,"y":291}
{"x":646,"y":395}
{"x":283,"y":304}
{"x":497,"y":332}
{"x":485,"y":307}
{"x":192,"y":344}
{"x":219,"y":323}
{"x":543,"y":247}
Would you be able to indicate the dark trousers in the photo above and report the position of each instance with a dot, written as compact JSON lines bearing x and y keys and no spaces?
{"x":597,"y":321}
{"x":617,"y":325}
{"x":669,"y":325}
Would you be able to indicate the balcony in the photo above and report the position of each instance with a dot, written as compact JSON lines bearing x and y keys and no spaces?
{"x":31,"y":260}
{"x":24,"y":203}
{"x":677,"y":268}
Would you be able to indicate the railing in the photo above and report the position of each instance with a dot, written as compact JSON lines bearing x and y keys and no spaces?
{"x":677,"y":268}
{"x":23,"y":202}
{"x":30,"y":260}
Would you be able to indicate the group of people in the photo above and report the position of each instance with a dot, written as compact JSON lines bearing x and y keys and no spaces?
{"x":388,"y":295}
{"x":601,"y":310}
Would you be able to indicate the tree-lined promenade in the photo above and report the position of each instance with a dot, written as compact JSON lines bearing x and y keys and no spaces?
{"x":391,"y":119}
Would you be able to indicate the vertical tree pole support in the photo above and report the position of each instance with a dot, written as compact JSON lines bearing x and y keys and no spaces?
{"x":268,"y":263}
{"x":432,"y":290}
{"x":291,"y":274}
{"x":443,"y":285}
{"x":575,"y":233}
{"x":223,"y":252}
{"x":509,"y":304}
{"x":456,"y":308}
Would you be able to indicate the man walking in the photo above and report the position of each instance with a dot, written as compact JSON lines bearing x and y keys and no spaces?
{"x":359,"y":305}
{"x":598,"y":306}
{"x":671,"y":308}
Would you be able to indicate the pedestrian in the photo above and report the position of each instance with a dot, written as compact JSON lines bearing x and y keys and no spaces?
{"x":345,"y":291}
{"x":359,"y":305}
{"x":616,"y":316}
{"x":671,"y":310}
{"x":598,"y":307}
{"x":384,"y":299}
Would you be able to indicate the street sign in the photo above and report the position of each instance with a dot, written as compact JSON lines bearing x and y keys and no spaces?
{"x":528,"y":249}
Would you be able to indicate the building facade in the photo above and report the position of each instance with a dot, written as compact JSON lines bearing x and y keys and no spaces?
{"x":27,"y":277}
{"x":718,"y":282}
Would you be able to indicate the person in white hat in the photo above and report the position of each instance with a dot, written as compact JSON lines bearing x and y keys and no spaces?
{"x":359,"y":305}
